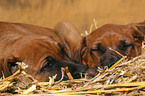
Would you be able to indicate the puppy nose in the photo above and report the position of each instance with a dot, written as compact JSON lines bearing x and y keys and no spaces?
{"x":83,"y":69}
{"x":90,"y":73}
{"x":109,"y":61}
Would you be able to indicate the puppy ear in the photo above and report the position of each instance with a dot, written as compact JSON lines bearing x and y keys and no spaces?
{"x":137,"y":34}
{"x":83,"y":42}
{"x":1,"y":67}
{"x":141,"y":27}
{"x":69,"y":35}
{"x":8,"y":67}
{"x":138,"y":30}
{"x":83,"y":47}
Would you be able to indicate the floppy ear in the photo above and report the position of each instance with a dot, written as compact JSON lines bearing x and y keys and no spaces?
{"x":137,"y":34}
{"x":8,"y":64}
{"x":138,"y":30}
{"x":83,"y":47}
{"x":83,"y":42}
{"x":69,"y":35}
{"x":1,"y":67}
{"x":141,"y":28}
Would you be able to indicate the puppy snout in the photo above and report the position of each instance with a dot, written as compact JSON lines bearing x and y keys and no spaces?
{"x":81,"y":72}
{"x":90,"y":73}
{"x":109,"y":60}
{"x":84,"y":68}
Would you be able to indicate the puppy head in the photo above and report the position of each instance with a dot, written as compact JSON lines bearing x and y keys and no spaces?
{"x":95,"y":49}
{"x":43,"y":57}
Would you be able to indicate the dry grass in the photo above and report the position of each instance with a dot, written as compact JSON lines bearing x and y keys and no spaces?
{"x":126,"y":77}
{"x":92,"y":27}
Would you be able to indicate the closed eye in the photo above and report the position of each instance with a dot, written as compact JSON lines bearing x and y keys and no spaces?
{"x":99,"y":49}
{"x":123,"y":45}
{"x":47,"y":64}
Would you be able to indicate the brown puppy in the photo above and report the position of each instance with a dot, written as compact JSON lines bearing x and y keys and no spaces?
{"x":95,"y":49}
{"x":41,"y":48}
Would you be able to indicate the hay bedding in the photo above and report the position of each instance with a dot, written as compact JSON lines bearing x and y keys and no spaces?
{"x":125,"y":77}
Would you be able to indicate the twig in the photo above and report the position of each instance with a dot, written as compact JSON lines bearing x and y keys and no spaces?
{"x":68,"y":73}
{"x":62,"y":72}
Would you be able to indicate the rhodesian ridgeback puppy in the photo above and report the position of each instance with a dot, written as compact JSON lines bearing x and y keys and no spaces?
{"x":96,"y":48}
{"x":40,"y":48}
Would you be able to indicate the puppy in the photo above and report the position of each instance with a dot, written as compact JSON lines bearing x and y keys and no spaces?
{"x":40,"y":48}
{"x":95,"y":48}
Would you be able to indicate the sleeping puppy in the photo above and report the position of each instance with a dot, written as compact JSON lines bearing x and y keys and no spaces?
{"x":40,"y":48}
{"x":95,"y":48}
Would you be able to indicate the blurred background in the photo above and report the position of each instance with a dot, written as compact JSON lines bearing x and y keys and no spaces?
{"x":81,"y":13}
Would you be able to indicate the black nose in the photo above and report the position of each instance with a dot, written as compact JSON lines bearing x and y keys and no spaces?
{"x":79,"y":72}
{"x":90,"y":73}
{"x":108,"y":60}
{"x":84,"y":68}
